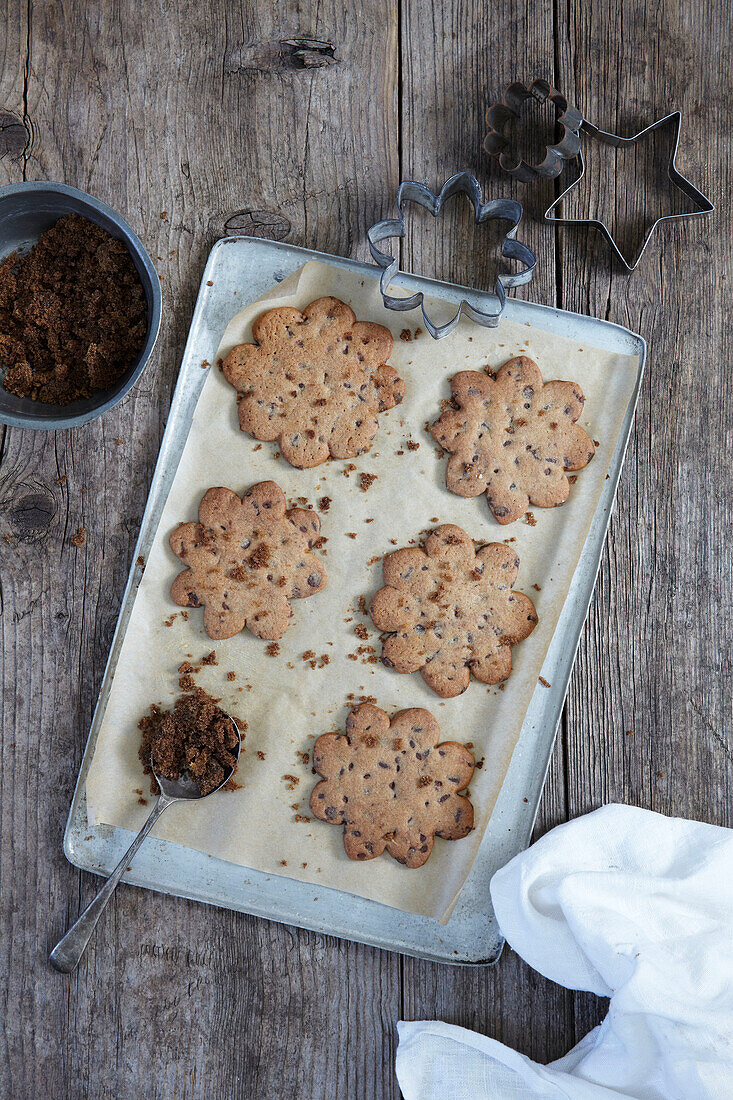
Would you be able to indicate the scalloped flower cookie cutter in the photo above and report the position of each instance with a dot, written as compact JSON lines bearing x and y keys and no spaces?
{"x":499,"y":115}
{"x":494,"y":210}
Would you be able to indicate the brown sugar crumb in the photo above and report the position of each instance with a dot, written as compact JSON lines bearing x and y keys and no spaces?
{"x":317,"y":544}
{"x":205,"y":364}
{"x":194,"y":738}
{"x":73,"y":314}
{"x":572,"y":478}
{"x":308,"y":655}
{"x":412,"y":445}
{"x":301,"y":817}
{"x":260,"y":754}
{"x":529,"y":518}
{"x":210,"y":658}
{"x":544,"y":682}
{"x":374,"y":559}
{"x":351,"y":534}
{"x":304,"y":756}
{"x":370,"y":520}
{"x":231,"y":675}
{"x":261,"y":556}
{"x":418,"y":332}
{"x":349,"y":469}
{"x":60,"y":480}
{"x":80,"y":537}
{"x":292,"y":781}
{"x":629,"y":733}
{"x":362,"y":605}
{"x":283,"y":863}
{"x":140,"y":561}
{"x":361,"y":632}
{"x":536,"y":588}
{"x":171,"y":619}
{"x":406,"y":335}
{"x":142,"y":801}
{"x":272,"y":650}
{"x":184,"y":616}
{"x":324,"y":504}
{"x":323,"y":660}
{"x":366,"y":481}
{"x":480,"y":763}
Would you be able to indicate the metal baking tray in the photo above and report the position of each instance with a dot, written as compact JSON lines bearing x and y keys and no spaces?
{"x":238,"y":271}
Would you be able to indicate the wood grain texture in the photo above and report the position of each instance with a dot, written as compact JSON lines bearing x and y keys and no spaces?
{"x":162,"y":109}
{"x":297,"y":124}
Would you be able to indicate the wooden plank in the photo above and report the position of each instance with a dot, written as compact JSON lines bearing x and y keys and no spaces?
{"x":208,"y":113}
{"x":457,"y":58}
{"x":656,"y":654}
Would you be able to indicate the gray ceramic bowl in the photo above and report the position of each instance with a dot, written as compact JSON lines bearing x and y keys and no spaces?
{"x":26,"y":210}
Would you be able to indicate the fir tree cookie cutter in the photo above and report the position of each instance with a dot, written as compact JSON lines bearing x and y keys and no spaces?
{"x":500,"y":115}
{"x":494,"y":210}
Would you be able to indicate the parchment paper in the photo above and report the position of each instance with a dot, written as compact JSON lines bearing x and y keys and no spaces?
{"x":285,"y":702}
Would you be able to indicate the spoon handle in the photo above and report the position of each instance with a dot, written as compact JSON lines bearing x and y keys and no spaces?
{"x":69,"y":950}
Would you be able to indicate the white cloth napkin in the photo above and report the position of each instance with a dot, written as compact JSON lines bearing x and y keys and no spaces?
{"x":630,"y":905}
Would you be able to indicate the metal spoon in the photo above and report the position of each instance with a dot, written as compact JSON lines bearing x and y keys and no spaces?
{"x":69,"y":950}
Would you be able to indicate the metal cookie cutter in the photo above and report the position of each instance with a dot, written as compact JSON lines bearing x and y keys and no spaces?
{"x":496,"y":209}
{"x":498,"y":145}
{"x":703,"y":204}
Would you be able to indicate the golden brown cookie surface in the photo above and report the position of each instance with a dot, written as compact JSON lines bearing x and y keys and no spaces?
{"x":314,"y":381}
{"x":392,"y":785}
{"x":247,"y":557}
{"x":451,"y":611}
{"x":513,"y":437}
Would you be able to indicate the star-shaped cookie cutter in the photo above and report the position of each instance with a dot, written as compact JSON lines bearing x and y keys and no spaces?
{"x":498,"y":145}
{"x":495,"y":209}
{"x":703,"y":204}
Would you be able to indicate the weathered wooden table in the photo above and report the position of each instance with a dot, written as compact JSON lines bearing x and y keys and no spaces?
{"x":226,"y":117}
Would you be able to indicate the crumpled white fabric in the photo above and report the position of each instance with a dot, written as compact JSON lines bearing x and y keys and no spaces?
{"x":633,"y":906}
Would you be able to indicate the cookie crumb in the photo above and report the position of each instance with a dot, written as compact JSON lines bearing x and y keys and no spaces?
{"x":232,"y":676}
{"x":530,"y":519}
{"x":406,"y":335}
{"x":544,"y":682}
{"x":272,"y":650}
{"x":367,"y":480}
{"x":361,"y":632}
{"x":210,"y":658}
{"x":80,"y":537}
{"x":412,"y":445}
{"x":324,"y":504}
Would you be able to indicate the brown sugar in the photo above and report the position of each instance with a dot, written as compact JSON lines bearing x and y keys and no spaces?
{"x":80,"y":537}
{"x":73,"y":315}
{"x":196,"y":738}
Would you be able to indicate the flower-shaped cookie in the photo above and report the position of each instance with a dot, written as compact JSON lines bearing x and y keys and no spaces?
{"x":314,"y":381}
{"x":513,"y":437}
{"x":247,"y":558}
{"x":452,"y":611}
{"x":391,"y":785}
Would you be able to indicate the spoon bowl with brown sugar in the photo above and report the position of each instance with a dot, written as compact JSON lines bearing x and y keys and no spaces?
{"x":69,"y":950}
